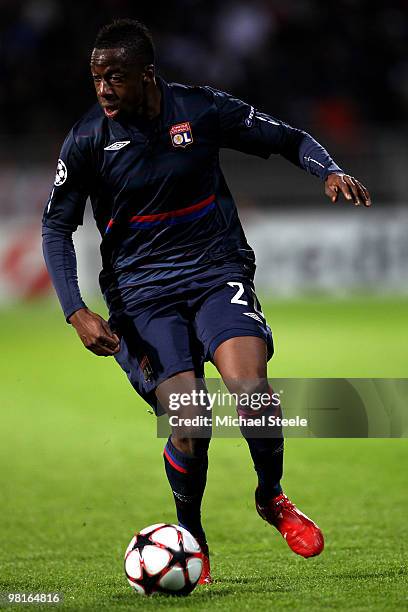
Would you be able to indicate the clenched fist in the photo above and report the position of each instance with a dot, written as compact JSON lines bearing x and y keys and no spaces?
{"x":95,"y":332}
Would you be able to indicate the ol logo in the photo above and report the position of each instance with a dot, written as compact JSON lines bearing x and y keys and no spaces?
{"x":181,"y":134}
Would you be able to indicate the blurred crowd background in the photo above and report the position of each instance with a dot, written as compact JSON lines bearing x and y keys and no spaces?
{"x":338,"y":64}
{"x":337,"y":69}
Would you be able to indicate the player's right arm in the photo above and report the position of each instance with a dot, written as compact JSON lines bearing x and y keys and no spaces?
{"x":62,"y":215}
{"x":245,"y":129}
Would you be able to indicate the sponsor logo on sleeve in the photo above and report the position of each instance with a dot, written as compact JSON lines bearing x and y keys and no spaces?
{"x":181,"y":134}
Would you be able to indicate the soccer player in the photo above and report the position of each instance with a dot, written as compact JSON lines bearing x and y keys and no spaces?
{"x":177,"y":270}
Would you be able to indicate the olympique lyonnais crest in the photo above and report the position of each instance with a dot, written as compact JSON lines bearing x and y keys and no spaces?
{"x":146,"y":368}
{"x":181,"y":134}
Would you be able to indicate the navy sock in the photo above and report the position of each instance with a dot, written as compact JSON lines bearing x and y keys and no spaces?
{"x":187,"y":476}
{"x":267,"y":455}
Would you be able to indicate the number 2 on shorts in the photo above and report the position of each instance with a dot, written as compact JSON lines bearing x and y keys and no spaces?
{"x":236,"y":299}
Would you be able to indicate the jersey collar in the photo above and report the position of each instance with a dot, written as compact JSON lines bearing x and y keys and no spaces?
{"x":165,"y":110}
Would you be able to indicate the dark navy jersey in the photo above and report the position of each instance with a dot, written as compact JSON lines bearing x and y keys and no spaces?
{"x":158,"y":195}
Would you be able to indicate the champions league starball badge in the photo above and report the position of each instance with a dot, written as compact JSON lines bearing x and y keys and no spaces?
{"x":61,"y":174}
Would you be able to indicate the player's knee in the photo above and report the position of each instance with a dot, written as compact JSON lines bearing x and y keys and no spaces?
{"x":252,"y":396}
{"x":248,"y":387}
{"x":191,"y":446}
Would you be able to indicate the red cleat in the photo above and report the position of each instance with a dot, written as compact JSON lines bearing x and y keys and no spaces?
{"x":205,"y":577}
{"x":300,"y":532}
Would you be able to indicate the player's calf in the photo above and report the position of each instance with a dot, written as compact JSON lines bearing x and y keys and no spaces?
{"x":185,"y":454}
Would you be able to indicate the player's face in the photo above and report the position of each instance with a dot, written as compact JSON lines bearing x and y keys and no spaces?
{"x":120,"y":84}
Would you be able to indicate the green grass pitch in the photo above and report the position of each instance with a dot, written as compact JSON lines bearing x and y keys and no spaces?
{"x":81,"y":470}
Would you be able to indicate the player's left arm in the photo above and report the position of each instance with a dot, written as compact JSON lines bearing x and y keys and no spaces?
{"x":245,"y":129}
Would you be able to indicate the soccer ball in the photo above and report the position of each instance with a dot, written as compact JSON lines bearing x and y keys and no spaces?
{"x":163,"y":558}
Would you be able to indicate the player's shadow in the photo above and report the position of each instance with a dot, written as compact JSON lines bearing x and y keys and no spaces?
{"x":220,"y":589}
{"x":255,"y":585}
{"x":200,"y":594}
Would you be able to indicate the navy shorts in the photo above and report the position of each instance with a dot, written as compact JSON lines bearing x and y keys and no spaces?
{"x":180,"y":332}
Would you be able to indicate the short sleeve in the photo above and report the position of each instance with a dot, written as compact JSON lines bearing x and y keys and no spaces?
{"x":66,"y":204}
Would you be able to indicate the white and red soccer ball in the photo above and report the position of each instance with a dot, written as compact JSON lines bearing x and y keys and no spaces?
{"x":163,"y":558}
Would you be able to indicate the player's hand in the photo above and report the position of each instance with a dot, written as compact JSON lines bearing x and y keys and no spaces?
{"x":95,"y":333}
{"x":350,"y":187}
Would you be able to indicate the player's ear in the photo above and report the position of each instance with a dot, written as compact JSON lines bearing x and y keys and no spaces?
{"x":148,"y":74}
